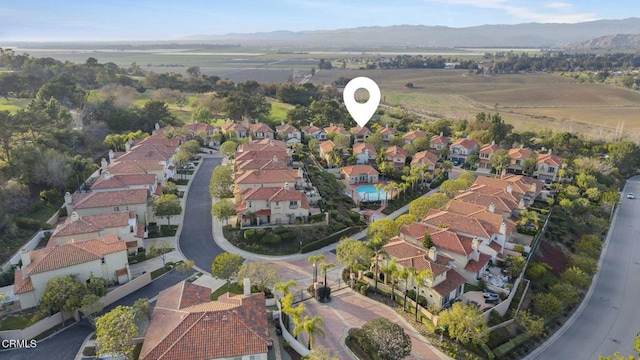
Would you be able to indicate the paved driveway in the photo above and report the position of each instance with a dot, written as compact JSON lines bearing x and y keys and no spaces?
{"x":196,"y":241}
{"x":609,"y":319}
{"x":348,"y":309}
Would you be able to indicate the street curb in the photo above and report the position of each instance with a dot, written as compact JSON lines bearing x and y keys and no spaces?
{"x":553,"y":338}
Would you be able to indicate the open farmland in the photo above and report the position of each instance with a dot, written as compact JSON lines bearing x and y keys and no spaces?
{"x":528,"y":101}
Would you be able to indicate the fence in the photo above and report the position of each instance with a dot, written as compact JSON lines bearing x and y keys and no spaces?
{"x":30,"y":245}
{"x":35,"y":329}
{"x":511,"y":321}
{"x":126,"y":289}
{"x":295,"y":344}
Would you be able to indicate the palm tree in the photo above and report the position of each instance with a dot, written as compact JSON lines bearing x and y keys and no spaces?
{"x":418,"y":279}
{"x":447,"y":166}
{"x":529,"y":217}
{"x":388,"y":189}
{"x":378,"y":188}
{"x":391,"y":272}
{"x":404,"y":275}
{"x":325,"y":266}
{"x":315,"y":259}
{"x":376,"y":244}
{"x":286,"y":300}
{"x":310,"y":326}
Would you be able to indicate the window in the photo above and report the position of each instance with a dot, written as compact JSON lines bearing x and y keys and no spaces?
{"x":102,"y":260}
{"x":116,"y":208}
{"x":249,"y":204}
{"x":552,"y":169}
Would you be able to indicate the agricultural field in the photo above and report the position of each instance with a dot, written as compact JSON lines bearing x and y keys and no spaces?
{"x":528,"y":101}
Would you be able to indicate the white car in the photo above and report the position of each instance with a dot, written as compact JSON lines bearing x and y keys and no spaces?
{"x":630,"y":196}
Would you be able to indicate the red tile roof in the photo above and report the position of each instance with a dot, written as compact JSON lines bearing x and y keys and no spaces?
{"x":327,"y":146}
{"x":275,"y":194}
{"x":123,"y":181}
{"x":360,"y":131}
{"x":452,"y":282}
{"x":386,"y":130}
{"x":457,"y":223}
{"x":448,"y":240}
{"x":21,"y":284}
{"x":424,"y":263}
{"x":360,"y":148}
{"x":475,"y":266}
{"x":73,"y":253}
{"x":233,"y":326}
{"x":134,"y":167}
{"x":263,"y":145}
{"x":195,"y":127}
{"x":109,"y":198}
{"x":503,"y":204}
{"x":91,"y":223}
{"x":520,"y":153}
{"x":337,"y":130}
{"x":439,"y":140}
{"x":286,"y":129}
{"x":232,"y":126}
{"x":268,"y":177}
{"x":549,"y":159}
{"x":359,"y":169}
{"x":274,"y":163}
{"x":425,"y":158}
{"x":311,"y":129}
{"x":415,"y":229}
{"x":412,"y":135}
{"x":261,"y":155}
{"x":396,"y":151}
{"x":260,"y":127}
{"x":465,"y":143}
{"x":489,"y":148}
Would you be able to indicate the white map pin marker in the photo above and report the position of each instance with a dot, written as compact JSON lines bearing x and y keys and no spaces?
{"x":361,"y":113}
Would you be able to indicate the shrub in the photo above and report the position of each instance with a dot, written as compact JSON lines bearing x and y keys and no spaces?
{"x":288,"y":236}
{"x":507,"y":347}
{"x":249,"y":235}
{"x":317,"y":218}
{"x":271,"y":239}
{"x":280,"y":229}
{"x":63,"y":211}
{"x":28,"y":223}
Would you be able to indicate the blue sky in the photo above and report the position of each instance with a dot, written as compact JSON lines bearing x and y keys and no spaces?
{"x":47,"y":20}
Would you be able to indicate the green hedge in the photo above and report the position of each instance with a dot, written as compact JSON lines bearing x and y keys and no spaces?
{"x":507,"y":347}
{"x":330,"y":239}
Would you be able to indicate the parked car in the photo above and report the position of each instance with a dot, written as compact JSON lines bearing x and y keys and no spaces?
{"x":630,"y":196}
{"x":490,"y":296}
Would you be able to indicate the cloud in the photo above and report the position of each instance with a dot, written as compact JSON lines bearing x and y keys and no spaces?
{"x":550,"y":12}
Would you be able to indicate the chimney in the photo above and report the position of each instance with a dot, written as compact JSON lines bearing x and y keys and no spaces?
{"x":492,"y":207}
{"x":68,"y":202}
{"x":275,"y":159}
{"x":509,"y":189}
{"x":103,"y":164}
{"x":550,"y":151}
{"x":247,"y":286}
{"x":433,"y":253}
{"x":127,"y":146}
{"x":286,"y":186}
{"x":74,"y":217}
{"x":386,"y":126}
{"x":493,"y":142}
{"x":441,"y":133}
{"x":107,"y":175}
{"x":282,"y":123}
{"x":475,"y":245}
{"x":503,"y":228}
{"x":270,"y":142}
{"x":111,"y":155}
{"x":26,"y":259}
{"x":521,"y":204}
{"x":311,"y":123}
{"x":157,"y":127}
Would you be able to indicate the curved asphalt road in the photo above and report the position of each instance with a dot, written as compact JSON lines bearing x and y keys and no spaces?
{"x":196,"y":240}
{"x":610,"y":319}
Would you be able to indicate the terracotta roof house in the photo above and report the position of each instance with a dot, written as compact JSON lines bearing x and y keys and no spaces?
{"x":289,"y":134}
{"x":263,"y":145}
{"x":186,"y":325}
{"x":439,"y":142}
{"x":261,"y":131}
{"x":387,"y":133}
{"x":325,"y":148}
{"x":173,"y":142}
{"x":108,"y":182}
{"x":100,"y":257}
{"x":364,"y":153}
{"x":233,"y":129}
{"x":411,"y":136}
{"x":153,"y":167}
{"x":396,"y":155}
{"x":269,"y":178}
{"x":461,"y":149}
{"x":547,"y":167}
{"x":275,"y":163}
{"x":427,"y":158}
{"x":314,"y":132}
{"x":360,"y":134}
{"x":94,"y":203}
{"x":500,"y":202}
{"x":268,"y":154}
{"x":518,"y":157}
{"x":337,"y":130}
{"x":122,"y":224}
{"x":524,"y":186}
{"x":485,"y":152}
{"x":357,"y":174}
{"x":272,"y":205}
{"x":198,"y":127}
{"x":446,"y":284}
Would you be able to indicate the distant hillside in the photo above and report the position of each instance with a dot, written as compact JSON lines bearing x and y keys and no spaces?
{"x":521,"y":35}
{"x":610,"y":42}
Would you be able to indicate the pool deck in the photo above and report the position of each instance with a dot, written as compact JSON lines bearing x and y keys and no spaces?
{"x":352,"y":189}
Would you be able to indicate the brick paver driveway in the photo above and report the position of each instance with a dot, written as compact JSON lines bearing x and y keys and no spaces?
{"x":349,"y":309}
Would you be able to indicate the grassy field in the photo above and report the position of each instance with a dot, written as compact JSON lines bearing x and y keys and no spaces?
{"x":12,"y":105}
{"x":528,"y":101}
{"x":279,"y":110}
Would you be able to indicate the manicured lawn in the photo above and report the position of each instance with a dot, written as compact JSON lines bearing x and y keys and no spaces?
{"x":19,"y":321}
{"x":279,"y":110}
{"x":234,"y":289}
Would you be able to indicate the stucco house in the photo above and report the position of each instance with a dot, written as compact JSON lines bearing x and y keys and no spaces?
{"x":325,"y":150}
{"x":548,"y":167}
{"x":108,"y":182}
{"x":263,"y":145}
{"x":387,"y":133}
{"x":360,"y":134}
{"x":185,"y":324}
{"x":261,"y":131}
{"x":314,"y":132}
{"x":518,"y":157}
{"x":444,"y":286}
{"x":426,"y":158}
{"x":461,"y":149}
{"x":103,"y":257}
{"x":337,"y":130}
{"x":484,"y":155}
{"x":357,"y":174}
{"x":269,"y":178}
{"x":78,"y":228}
{"x":232,"y":129}
{"x":289,"y":134}
{"x":94,"y":203}
{"x":396,"y":155}
{"x":159,"y":169}
{"x":439,"y":142}
{"x":272,"y":205}
{"x":411,"y":136}
{"x":519,"y":186}
{"x":364,"y":153}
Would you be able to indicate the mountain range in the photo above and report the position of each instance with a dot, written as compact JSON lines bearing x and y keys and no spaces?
{"x":536,"y":35}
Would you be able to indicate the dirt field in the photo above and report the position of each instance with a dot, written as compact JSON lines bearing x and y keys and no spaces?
{"x":528,"y":101}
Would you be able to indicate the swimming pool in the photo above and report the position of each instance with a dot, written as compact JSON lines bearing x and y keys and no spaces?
{"x":369,"y":192}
